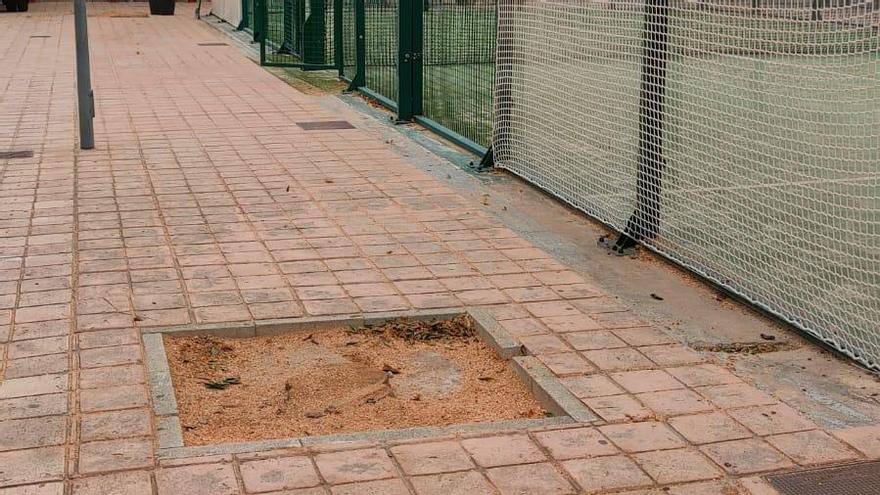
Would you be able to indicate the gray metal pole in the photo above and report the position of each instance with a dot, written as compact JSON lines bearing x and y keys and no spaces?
{"x":83,"y":77}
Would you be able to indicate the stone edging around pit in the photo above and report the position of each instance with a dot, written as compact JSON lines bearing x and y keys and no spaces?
{"x":543,"y":384}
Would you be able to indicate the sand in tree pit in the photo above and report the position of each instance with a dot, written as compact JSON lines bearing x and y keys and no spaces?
{"x":401,"y":374}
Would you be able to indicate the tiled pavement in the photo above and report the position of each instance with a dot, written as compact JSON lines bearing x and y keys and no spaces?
{"x":204,"y":203}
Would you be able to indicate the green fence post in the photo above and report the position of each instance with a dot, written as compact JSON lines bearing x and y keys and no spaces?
{"x":338,"y":48}
{"x":260,"y":25}
{"x":409,"y":58}
{"x":360,"y":46}
{"x":242,"y":24}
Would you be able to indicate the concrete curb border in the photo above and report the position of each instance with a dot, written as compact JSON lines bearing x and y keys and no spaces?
{"x":547,"y":389}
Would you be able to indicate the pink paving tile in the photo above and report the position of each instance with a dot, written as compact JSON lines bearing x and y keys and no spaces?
{"x":552,"y":308}
{"x":571,"y":323}
{"x":606,"y":473}
{"x":20,"y":467}
{"x":575,"y":443}
{"x":126,"y":483}
{"x":113,"y":455}
{"x":431,"y":458}
{"x":703,"y":374}
{"x":812,"y":447}
{"x":746,"y":456}
{"x":736,"y":395}
{"x":865,"y":439}
{"x":503,"y":450}
{"x":671,"y":355}
{"x":643,"y":336}
{"x":331,"y":307}
{"x":461,"y":483}
{"x":544,"y":344}
{"x":567,"y":363}
{"x":109,"y":398}
{"x":110,"y":356}
{"x":355,"y":465}
{"x":278,"y":474}
{"x":596,"y":339}
{"x":624,"y":358}
{"x":523,"y":326}
{"x":32,"y":432}
{"x":591,"y":386}
{"x":646,"y":381}
{"x":615,"y":408}
{"x":530,"y":478}
{"x":115,"y":424}
{"x":379,"y":487}
{"x":675,"y":402}
{"x":642,"y":437}
{"x":769,"y":420}
{"x":677,"y":466}
{"x":198,"y":479}
{"x":709,"y":427}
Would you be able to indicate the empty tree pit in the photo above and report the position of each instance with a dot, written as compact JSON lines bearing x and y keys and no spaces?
{"x":396,"y":374}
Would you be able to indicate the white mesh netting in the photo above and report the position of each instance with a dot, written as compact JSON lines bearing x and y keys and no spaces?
{"x":765,"y":116}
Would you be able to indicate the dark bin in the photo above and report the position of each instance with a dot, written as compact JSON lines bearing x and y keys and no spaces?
{"x":161,"y":7}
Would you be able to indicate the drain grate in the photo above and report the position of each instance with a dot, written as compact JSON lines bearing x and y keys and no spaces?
{"x":851,"y":479}
{"x":325,"y":125}
{"x":213,"y":43}
{"x":5,"y":155}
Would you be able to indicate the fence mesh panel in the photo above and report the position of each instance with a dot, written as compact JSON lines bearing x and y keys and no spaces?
{"x":760,"y":130}
{"x":459,"y":64}
{"x":299,"y":32}
{"x":381,"y":42}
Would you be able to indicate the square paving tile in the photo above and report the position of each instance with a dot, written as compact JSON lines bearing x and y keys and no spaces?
{"x":503,"y":450}
{"x":355,"y":465}
{"x":700,"y":375}
{"x":747,"y":456}
{"x":866,"y":439}
{"x":812,"y":447}
{"x":646,"y":381}
{"x":709,"y":427}
{"x":591,"y":386}
{"x":112,"y":455}
{"x":769,"y":420}
{"x":736,"y":395}
{"x":675,"y":402}
{"x":431,"y":458}
{"x":125,"y":483}
{"x":614,"y":408}
{"x":567,"y":363}
{"x":624,"y":358}
{"x":198,"y":479}
{"x":278,"y":474}
{"x":461,"y":483}
{"x":677,"y":466}
{"x":642,"y":437}
{"x":19,"y":467}
{"x":378,"y":487}
{"x":530,"y":478}
{"x":606,"y":473}
{"x":576,"y":442}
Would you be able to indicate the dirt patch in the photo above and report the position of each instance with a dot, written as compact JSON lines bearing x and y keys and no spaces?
{"x":402,"y":374}
{"x":745,"y":347}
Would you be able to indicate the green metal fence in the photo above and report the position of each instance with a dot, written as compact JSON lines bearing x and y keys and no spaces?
{"x":431,"y":61}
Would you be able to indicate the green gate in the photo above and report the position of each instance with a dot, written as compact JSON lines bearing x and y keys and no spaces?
{"x":300,"y":33}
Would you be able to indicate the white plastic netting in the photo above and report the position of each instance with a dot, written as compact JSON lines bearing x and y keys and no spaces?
{"x":766,"y":121}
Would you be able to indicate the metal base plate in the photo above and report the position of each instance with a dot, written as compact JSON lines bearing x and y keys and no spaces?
{"x":325,"y":125}
{"x":851,"y":479}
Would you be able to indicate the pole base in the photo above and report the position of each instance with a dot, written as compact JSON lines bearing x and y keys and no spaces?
{"x":623,"y":246}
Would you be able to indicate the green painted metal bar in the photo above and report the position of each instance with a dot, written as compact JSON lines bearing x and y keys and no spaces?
{"x":360,"y":43}
{"x":410,"y":28}
{"x":451,"y":135}
{"x":338,"y":31}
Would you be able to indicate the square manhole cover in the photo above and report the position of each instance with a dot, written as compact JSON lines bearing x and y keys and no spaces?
{"x":851,"y":479}
{"x":364,"y":379}
{"x":325,"y":125}
{"x":7,"y":155}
